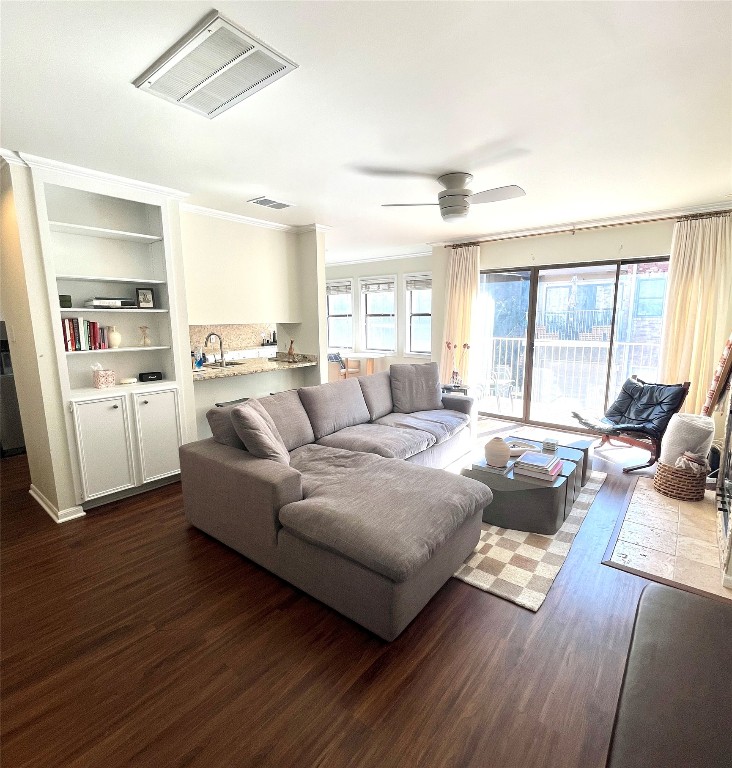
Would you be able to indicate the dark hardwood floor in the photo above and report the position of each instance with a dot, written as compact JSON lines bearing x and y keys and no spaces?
{"x":132,"y":639}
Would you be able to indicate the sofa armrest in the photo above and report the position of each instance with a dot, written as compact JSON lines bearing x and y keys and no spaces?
{"x":460,"y":403}
{"x":235,"y":496}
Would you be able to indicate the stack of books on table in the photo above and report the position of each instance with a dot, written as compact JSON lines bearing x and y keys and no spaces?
{"x":537,"y":466}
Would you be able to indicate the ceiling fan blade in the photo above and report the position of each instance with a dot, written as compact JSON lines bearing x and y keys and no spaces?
{"x":499,"y":193}
{"x":404,"y":205}
{"x":373,"y":170}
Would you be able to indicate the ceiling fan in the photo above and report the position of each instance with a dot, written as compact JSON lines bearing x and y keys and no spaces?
{"x":455,"y":198}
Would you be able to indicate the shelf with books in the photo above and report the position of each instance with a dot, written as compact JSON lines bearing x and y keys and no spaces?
{"x":116,"y":349}
{"x":110,"y":310}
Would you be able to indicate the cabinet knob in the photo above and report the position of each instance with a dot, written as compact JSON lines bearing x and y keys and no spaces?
{"x":115,"y":406}
{"x":145,"y":402}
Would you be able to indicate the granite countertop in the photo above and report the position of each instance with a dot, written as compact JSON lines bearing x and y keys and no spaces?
{"x":249,"y":366}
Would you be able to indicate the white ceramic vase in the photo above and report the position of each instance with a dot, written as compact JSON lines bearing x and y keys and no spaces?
{"x":114,"y":337}
{"x":497,"y":452}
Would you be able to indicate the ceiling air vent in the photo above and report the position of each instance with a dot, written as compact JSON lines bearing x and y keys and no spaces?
{"x":269,"y":203}
{"x":213,"y":67}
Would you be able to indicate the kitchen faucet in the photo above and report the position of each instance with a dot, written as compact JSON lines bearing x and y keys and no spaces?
{"x":221,"y":347}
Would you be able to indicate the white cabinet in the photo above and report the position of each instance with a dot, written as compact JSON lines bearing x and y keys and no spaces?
{"x":117,"y":451}
{"x":158,"y":433}
{"x":103,"y":442}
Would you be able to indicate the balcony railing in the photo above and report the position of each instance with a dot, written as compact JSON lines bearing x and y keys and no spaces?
{"x":568,"y":374}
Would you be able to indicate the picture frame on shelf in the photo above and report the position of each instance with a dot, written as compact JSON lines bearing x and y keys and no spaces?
{"x":145,"y":298}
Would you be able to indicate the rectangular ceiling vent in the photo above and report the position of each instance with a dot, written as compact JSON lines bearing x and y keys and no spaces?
{"x":269,"y":203}
{"x":213,"y":67}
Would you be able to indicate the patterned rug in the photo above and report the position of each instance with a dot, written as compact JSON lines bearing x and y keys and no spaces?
{"x":519,"y":566}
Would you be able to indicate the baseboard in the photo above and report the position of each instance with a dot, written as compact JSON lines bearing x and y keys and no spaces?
{"x":58,"y":516}
{"x":727,"y":581}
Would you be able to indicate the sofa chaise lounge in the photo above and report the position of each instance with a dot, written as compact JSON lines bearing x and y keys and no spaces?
{"x":352,"y":505}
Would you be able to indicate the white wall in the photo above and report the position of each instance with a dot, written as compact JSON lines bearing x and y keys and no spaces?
{"x":435,"y":262}
{"x":30,"y":335}
{"x":237,"y":272}
{"x":612,"y":243}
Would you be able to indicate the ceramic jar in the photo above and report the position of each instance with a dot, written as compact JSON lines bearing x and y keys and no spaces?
{"x":497,"y":452}
{"x":114,"y":337}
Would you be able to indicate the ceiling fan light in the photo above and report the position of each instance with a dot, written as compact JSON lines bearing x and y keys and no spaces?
{"x":454,"y":212}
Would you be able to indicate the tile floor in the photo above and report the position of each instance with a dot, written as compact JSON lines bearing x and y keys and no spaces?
{"x":676,"y":540}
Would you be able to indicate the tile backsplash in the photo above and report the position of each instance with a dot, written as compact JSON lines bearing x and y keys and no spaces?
{"x":235,"y":336}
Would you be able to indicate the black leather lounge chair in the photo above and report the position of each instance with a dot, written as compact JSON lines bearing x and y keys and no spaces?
{"x":639,"y":416}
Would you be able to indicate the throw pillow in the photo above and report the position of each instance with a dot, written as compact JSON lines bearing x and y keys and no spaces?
{"x":222,"y":430}
{"x":376,"y":390}
{"x":415,"y":387}
{"x":258,"y":433}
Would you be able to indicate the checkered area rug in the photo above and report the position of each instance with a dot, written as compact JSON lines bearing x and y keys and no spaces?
{"x":519,"y":566}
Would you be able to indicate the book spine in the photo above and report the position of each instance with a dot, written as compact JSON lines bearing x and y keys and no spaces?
{"x":63,"y":331}
{"x":75,"y":334}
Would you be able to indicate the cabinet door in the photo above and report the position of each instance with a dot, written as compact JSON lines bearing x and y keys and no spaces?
{"x":102,"y":437}
{"x":158,"y":433}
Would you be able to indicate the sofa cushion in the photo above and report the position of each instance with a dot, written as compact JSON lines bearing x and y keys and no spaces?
{"x":389,"y":442}
{"x":334,"y":406}
{"x":258,"y":432}
{"x":377,"y":394}
{"x":222,"y":429}
{"x":415,"y":387}
{"x":289,"y":417}
{"x":442,"y":424}
{"x":389,"y":516}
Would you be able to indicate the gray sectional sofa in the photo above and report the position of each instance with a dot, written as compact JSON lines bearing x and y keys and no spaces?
{"x":351,"y":505}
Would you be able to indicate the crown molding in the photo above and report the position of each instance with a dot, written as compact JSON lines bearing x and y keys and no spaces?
{"x":297,"y":228}
{"x":11,"y":158}
{"x":351,"y":262}
{"x":43,"y":163}
{"x":236,"y":217}
{"x":610,"y":221}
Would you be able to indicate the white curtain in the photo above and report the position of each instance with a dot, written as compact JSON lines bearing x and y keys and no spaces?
{"x":461,"y":293}
{"x":698,"y":311}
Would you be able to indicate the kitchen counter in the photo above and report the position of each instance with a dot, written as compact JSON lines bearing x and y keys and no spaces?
{"x":254,"y":365}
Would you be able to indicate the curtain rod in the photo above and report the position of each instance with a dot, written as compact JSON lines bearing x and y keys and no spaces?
{"x":581,"y":227}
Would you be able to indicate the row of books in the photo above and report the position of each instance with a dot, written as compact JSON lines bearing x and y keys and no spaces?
{"x":537,"y":466}
{"x":83,"y":335}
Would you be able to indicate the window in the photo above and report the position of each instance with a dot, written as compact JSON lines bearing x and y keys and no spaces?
{"x":650,"y":293}
{"x":339,"y":301}
{"x":378,"y":300}
{"x":419,"y":314}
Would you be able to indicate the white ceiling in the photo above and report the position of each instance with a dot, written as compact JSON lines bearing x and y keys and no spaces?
{"x":599,"y":109}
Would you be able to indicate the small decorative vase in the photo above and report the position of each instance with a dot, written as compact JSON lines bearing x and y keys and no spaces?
{"x":113,"y":336}
{"x":291,"y":351}
{"x":497,"y":452}
{"x":144,"y":337}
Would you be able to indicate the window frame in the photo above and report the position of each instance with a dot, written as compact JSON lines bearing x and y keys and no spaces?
{"x":365,"y":314}
{"x":408,"y":314}
{"x":328,"y":314}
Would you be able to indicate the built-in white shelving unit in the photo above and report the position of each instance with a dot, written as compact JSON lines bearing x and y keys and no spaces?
{"x":105,"y":237}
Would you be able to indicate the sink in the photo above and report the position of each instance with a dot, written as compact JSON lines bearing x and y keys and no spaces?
{"x":229,"y":363}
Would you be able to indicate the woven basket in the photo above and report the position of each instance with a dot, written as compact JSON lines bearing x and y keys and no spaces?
{"x":679,"y":483}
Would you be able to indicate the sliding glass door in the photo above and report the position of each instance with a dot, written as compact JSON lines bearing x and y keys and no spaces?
{"x":560,"y":339}
{"x":574,"y":316}
{"x":503,"y":310}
